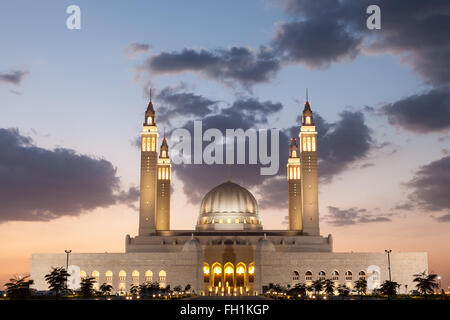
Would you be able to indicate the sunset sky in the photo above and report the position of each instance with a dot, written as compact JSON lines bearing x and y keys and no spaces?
{"x":72,"y":104}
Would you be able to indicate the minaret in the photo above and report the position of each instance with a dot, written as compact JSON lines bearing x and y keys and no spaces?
{"x":294,"y":187}
{"x":149,"y":158}
{"x":163,"y":188}
{"x":308,"y":160}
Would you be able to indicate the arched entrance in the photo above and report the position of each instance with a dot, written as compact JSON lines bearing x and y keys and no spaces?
{"x":229,"y":278}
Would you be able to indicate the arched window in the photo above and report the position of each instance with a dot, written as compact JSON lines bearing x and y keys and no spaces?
{"x":313,"y":143}
{"x":135,"y":277}
{"x":322,"y":275}
{"x":335,"y":276}
{"x":148,"y":276}
{"x":162,"y":279}
{"x":206,"y":272}
{"x":236,"y":220}
{"x":349,"y":276}
{"x":251,"y":272}
{"x":149,"y":120}
{"x":294,"y":154}
{"x":295,"y":276}
{"x":82,"y":274}
{"x":308,"y":276}
{"x":109,"y":276}
{"x":96,"y":276}
{"x":229,"y":220}
{"x":122,"y":276}
{"x":362,"y":275}
{"x":308,"y":120}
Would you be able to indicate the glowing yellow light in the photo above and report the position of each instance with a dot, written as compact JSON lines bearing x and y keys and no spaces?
{"x":206,"y":270}
{"x":229,"y":220}
{"x":228,"y":270}
{"x":220,"y":220}
{"x":240,"y":270}
{"x":251,"y":270}
{"x":217,"y":269}
{"x":237,"y":220}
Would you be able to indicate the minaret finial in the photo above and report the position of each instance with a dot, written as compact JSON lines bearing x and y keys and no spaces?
{"x":307,"y":95}
{"x":150,"y":94}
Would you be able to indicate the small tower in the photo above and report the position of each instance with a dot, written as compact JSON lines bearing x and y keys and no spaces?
{"x":163,"y":188}
{"x":294,"y":187}
{"x":308,"y":163}
{"x":149,"y":158}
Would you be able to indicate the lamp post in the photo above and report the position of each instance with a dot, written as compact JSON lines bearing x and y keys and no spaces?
{"x":389,"y":262}
{"x":439,"y":278}
{"x":67,"y":262}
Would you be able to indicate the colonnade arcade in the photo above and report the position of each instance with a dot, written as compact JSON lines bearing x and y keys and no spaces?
{"x":228,"y":279}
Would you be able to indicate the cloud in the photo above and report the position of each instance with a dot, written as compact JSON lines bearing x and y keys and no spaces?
{"x":13,"y":77}
{"x":175,"y":103}
{"x":134,"y":49}
{"x":342,"y":143}
{"x":37,"y":184}
{"x":444,"y":218}
{"x":410,"y":29}
{"x":315,"y":43}
{"x":236,"y":64}
{"x":430,"y":185}
{"x":421,"y":113}
{"x":344,"y":217}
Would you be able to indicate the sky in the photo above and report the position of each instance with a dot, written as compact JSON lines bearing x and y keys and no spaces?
{"x":72,"y":104}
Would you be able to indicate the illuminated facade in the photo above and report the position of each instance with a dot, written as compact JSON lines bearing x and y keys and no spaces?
{"x":229,"y":252}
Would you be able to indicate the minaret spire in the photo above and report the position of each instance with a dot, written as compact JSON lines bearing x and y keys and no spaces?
{"x":307,"y":95}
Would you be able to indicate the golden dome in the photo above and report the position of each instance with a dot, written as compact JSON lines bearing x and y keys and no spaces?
{"x":229,"y":207}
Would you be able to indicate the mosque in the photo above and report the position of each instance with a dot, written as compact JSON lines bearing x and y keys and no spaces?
{"x":229,"y":252}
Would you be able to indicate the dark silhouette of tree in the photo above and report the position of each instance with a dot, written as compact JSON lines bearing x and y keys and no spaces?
{"x":106,"y":289}
{"x":317,"y":285}
{"x":134,"y":290}
{"x":187,"y":287}
{"x":329,"y":287}
{"x":361,"y":286}
{"x":426,"y":284}
{"x":149,"y":288}
{"x":343,"y":290}
{"x":177,"y":288}
{"x":87,"y":286}
{"x":57,"y":279}
{"x":18,"y":287}
{"x":389,"y":288}
{"x":298,"y":289}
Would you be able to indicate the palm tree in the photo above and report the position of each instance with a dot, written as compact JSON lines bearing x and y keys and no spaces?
{"x":298,"y":289}
{"x":426,"y":284}
{"x":361,"y":286}
{"x":148,"y":288}
{"x":317,"y":286}
{"x":343,"y":290}
{"x":187,"y":287}
{"x":87,"y":286}
{"x":134,"y":290}
{"x":329,"y":287}
{"x":18,"y":287}
{"x":389,"y":288}
{"x":57,"y":279}
{"x":177,"y":288}
{"x":106,"y":289}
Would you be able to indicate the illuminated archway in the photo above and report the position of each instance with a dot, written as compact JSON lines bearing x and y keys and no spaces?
{"x":162,"y":279}
{"x":217,"y":274}
{"x":228,"y":281}
{"x":240,"y":275}
{"x":251,"y":272}
{"x":206,"y":272}
{"x":83,"y":274}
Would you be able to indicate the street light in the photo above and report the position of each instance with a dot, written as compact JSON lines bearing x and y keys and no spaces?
{"x":389,"y":262}
{"x":439,"y":278}
{"x":67,"y":262}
